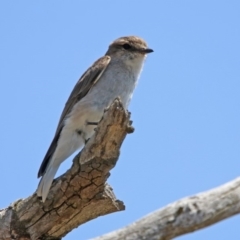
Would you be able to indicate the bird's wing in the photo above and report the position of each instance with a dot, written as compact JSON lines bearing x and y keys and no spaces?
{"x":84,"y":84}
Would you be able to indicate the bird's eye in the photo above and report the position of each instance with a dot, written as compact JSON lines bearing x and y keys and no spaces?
{"x":126,"y":46}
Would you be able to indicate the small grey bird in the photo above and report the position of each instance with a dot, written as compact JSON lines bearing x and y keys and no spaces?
{"x":113,"y":75}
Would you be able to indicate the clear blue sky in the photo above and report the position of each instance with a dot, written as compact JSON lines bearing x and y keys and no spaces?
{"x":186,"y":108}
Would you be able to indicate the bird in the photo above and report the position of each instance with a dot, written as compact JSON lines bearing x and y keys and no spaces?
{"x":113,"y":75}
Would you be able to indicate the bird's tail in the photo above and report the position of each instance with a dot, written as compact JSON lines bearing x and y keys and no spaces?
{"x":46,"y":181}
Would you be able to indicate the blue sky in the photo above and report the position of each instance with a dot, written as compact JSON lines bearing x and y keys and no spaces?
{"x":185,"y":110}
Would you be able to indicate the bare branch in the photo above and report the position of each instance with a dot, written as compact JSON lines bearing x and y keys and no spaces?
{"x":78,"y":196}
{"x":184,"y":216}
{"x":82,"y":194}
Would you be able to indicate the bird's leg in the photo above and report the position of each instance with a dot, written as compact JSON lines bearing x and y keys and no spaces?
{"x":92,"y":123}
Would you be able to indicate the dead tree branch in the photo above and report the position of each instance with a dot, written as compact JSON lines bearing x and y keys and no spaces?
{"x":184,"y":216}
{"x":78,"y":196}
{"x":82,"y":194}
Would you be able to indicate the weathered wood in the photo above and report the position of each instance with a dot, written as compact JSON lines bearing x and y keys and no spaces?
{"x":78,"y":196}
{"x":184,"y":216}
{"x":82,"y":194}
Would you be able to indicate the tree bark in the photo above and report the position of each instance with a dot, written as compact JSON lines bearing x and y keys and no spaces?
{"x":82,"y":194}
{"x":78,"y":196}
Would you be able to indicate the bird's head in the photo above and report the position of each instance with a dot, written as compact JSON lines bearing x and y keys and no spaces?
{"x":128,"y":48}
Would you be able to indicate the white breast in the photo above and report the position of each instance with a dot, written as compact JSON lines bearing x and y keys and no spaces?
{"x":119,"y":80}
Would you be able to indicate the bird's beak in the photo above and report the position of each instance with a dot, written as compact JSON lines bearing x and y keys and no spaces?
{"x":146,"y":50}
